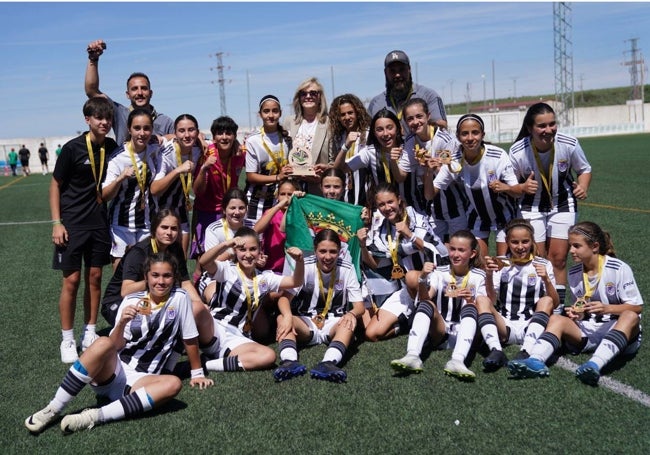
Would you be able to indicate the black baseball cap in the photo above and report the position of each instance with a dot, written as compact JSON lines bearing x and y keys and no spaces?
{"x":396,"y":56}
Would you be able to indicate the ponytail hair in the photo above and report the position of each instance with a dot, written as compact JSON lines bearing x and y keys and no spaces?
{"x":595,"y":234}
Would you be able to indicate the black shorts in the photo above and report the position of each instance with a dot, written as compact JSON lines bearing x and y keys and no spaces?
{"x":24,"y":163}
{"x":43,"y":160}
{"x":93,"y":246}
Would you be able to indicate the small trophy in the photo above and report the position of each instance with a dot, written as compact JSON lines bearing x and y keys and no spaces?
{"x":300,"y":161}
{"x":452,"y":290}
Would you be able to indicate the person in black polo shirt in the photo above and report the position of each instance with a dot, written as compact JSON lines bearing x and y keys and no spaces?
{"x":80,"y":222}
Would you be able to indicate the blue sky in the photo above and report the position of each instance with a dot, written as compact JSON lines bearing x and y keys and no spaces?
{"x":43,"y":57}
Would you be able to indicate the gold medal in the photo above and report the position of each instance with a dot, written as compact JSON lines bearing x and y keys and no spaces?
{"x":142,"y":203}
{"x":188,"y":205}
{"x":501,"y":261}
{"x":318,"y":321}
{"x":397,"y":273}
{"x":445,"y":156}
{"x":144,"y":306}
{"x":247,"y":328}
{"x":99,"y":198}
{"x":452,"y":290}
{"x":579,"y":305}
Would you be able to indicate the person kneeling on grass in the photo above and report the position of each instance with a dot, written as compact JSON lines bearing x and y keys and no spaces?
{"x":605,"y":316}
{"x":319,"y":312}
{"x":126,"y":366}
{"x":447,"y":313}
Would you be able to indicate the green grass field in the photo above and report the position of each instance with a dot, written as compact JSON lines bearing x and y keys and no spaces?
{"x":375,"y":411}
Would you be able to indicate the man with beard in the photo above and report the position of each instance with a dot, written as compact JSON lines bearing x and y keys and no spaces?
{"x":138,"y":92}
{"x":400,"y":88}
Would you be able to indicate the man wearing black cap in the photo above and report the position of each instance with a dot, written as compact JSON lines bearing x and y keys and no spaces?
{"x":400,"y":88}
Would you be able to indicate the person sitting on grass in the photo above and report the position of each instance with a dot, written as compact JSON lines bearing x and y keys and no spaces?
{"x":605,"y":316}
{"x":320,"y":312}
{"x":126,"y":366}
{"x":241,"y":292}
{"x":524,"y":285}
{"x":446,"y":313}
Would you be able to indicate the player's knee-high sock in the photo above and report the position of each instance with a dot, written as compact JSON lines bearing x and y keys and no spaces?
{"x":466,"y":332}
{"x":420,"y":328}
{"x":230,"y":363}
{"x":335,"y":352}
{"x":545,"y":346}
{"x":535,"y":328}
{"x":130,"y":405}
{"x":488,"y":326}
{"x":75,"y":380}
{"x":613,"y":343}
{"x":288,"y":350}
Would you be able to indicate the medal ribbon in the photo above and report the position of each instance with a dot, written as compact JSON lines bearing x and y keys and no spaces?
{"x":251,"y":303}
{"x":525,"y":260}
{"x":392,"y":246}
{"x":547,"y":179}
{"x":91,"y":158}
{"x":474,"y":161}
{"x":186,"y":180}
{"x":394,"y":104}
{"x":278,"y":158}
{"x":141,"y":177}
{"x":330,"y":290}
{"x":463,"y":284}
{"x":384,"y":163}
{"x":154,"y":245}
{"x":589,"y":290}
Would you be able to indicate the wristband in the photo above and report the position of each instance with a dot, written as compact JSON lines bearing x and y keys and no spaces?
{"x":55,"y":222}
{"x":198,"y":373}
{"x":344,"y":148}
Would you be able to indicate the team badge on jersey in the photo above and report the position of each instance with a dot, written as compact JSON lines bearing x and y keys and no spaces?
{"x":562,"y":165}
{"x":264,"y":286}
{"x":610,"y":288}
{"x":171,"y":313}
{"x":338,"y":285}
{"x":532,"y":279}
{"x":492,"y":176}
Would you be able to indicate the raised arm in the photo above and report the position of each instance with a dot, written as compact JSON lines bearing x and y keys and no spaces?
{"x":91,"y":81}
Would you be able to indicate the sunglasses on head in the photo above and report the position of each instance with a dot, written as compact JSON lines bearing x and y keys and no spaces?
{"x":311,"y":93}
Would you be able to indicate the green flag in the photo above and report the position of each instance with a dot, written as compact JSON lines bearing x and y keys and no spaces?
{"x":313,"y":213}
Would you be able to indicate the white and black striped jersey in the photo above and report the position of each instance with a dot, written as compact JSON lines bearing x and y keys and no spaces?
{"x":616,"y":286}
{"x":308,"y":301}
{"x":370,"y":159}
{"x":569,"y":157}
{"x":260,"y":196}
{"x":408,"y":255}
{"x":356,"y":183}
{"x":518,"y":288}
{"x":173,"y":197}
{"x":448,"y":203}
{"x":486,"y":210}
{"x":449,"y":307}
{"x":150,"y":338}
{"x":125,"y":208}
{"x":229,"y":302}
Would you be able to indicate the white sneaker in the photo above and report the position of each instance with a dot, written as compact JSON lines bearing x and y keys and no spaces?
{"x":88,"y":340}
{"x":409,"y":363}
{"x":69,"y":351}
{"x":38,"y":421}
{"x":84,"y":420}
{"x":458,"y":369}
